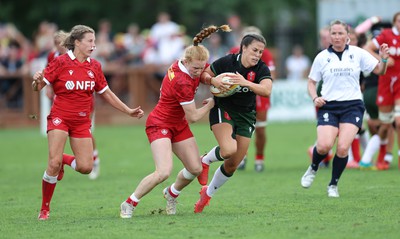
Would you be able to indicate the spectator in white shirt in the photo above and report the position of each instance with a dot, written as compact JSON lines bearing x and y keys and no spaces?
{"x":297,"y":64}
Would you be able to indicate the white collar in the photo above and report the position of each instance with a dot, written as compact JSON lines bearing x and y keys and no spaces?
{"x":395,"y":31}
{"x":183,"y":68}
{"x":73,"y":57}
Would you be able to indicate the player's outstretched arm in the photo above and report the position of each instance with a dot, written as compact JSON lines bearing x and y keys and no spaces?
{"x":113,"y":100}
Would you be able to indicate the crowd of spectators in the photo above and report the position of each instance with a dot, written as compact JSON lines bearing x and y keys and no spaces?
{"x":154,"y":49}
{"x":15,"y":51}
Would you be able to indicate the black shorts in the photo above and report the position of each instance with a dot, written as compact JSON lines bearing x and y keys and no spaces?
{"x":370,"y":102}
{"x":243,"y":124}
{"x":336,"y":112}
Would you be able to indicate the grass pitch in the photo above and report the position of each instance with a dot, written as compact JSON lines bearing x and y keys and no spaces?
{"x":271,"y":204}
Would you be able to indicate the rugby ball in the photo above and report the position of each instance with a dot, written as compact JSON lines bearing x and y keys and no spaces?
{"x":232,"y":89}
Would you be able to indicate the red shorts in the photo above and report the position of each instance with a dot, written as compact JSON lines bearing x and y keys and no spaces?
{"x":388,"y":90}
{"x":176,"y":133}
{"x":262,"y":103}
{"x":75,"y":128}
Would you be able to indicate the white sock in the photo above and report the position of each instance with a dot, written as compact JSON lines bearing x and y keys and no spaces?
{"x":49,"y":179}
{"x":210,"y":157}
{"x":388,"y":157}
{"x":372,"y":147}
{"x":134,"y":198}
{"x":96,"y":162}
{"x":217,"y":181}
{"x":173,"y":189}
{"x":95,"y":153}
{"x":73,"y":164}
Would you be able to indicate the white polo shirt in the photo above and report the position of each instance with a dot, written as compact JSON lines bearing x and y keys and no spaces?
{"x":341,"y":76}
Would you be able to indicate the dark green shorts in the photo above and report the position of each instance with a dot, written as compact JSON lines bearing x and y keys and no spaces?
{"x":370,"y":102}
{"x":243,"y":124}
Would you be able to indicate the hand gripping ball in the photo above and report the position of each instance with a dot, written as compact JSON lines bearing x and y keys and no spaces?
{"x":232,"y":89}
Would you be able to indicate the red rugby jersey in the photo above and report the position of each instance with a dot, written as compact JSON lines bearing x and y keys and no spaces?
{"x":74,"y":83}
{"x":178,"y":88}
{"x":392,"y":38}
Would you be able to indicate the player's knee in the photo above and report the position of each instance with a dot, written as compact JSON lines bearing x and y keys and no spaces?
{"x":84,"y":169}
{"x":54,"y":163}
{"x":84,"y":166}
{"x":161,"y":175}
{"x":227,"y":152}
{"x":342,"y":150}
{"x":323,"y":148}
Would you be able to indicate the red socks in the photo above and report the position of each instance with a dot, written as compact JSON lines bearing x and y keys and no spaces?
{"x":130,"y":201}
{"x":355,"y":148}
{"x":171,"y":193}
{"x":47,"y":194}
{"x":382,"y":153}
{"x":67,"y":159}
{"x":260,"y":157}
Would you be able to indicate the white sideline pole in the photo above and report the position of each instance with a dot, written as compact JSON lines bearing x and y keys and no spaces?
{"x":44,"y":111}
{"x":37,"y":65}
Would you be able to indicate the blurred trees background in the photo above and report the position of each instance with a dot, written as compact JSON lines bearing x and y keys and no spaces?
{"x":283,"y":23}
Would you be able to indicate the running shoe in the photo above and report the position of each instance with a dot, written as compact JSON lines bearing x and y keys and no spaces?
{"x":333,"y":191}
{"x":259,"y":166}
{"x":366,"y":166}
{"x":308,"y":178}
{"x":44,"y":215}
{"x":171,"y":202}
{"x":126,"y":210}
{"x":382,"y":165}
{"x":95,"y":170}
{"x":203,"y":201}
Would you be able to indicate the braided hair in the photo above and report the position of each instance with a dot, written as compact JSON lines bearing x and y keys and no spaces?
{"x":199,"y":52}
{"x":205,"y":32}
